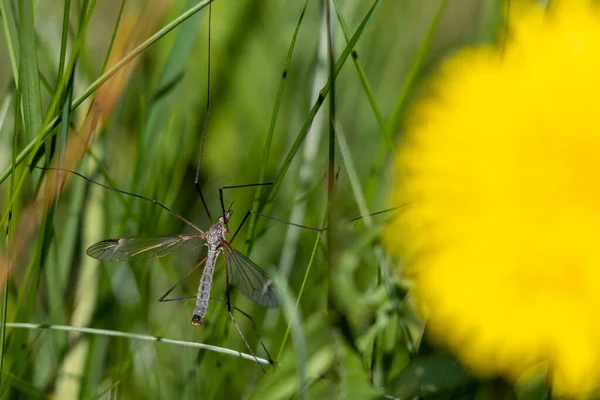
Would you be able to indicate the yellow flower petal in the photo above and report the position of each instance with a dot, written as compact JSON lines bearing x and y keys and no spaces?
{"x":500,"y":168}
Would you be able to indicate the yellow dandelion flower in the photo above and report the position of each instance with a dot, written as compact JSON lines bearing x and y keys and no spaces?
{"x":500,"y":169}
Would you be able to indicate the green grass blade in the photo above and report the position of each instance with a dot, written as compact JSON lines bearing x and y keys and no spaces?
{"x":365,"y":83}
{"x":64,"y":38}
{"x":114,"y":35}
{"x":136,"y":336}
{"x":12,"y":37}
{"x":4,"y":107}
{"x":28,"y":69}
{"x":265,"y":158}
{"x":350,"y":169}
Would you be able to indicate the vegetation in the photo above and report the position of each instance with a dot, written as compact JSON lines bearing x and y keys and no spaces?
{"x":117,"y":91}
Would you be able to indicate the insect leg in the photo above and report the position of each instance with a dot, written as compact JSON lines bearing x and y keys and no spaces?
{"x":273,"y":218}
{"x":238,"y":187}
{"x":228,"y":302}
{"x":163,"y":297}
{"x":254,"y":328}
{"x":204,"y":129}
{"x":139,"y":196}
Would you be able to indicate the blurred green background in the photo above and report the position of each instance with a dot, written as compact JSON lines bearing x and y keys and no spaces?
{"x":356,"y":334}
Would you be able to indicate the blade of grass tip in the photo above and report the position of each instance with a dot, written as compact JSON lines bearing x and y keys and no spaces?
{"x":12,"y":37}
{"x":274,"y":114}
{"x":28,"y":68}
{"x":365,"y":83}
{"x":135,"y":336}
{"x":49,"y":127}
{"x":315,"y":108}
{"x":291,"y":311}
{"x":161,"y":109}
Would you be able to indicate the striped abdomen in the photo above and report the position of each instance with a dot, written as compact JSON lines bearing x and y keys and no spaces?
{"x":204,"y":288}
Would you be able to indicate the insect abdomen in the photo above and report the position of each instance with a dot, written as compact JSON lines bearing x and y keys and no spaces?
{"x":204,"y":289}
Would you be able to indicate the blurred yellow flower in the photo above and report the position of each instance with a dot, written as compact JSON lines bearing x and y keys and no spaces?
{"x":500,"y":168}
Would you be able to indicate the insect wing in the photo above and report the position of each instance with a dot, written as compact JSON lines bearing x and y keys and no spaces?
{"x":250,"y":279}
{"x":128,"y":247}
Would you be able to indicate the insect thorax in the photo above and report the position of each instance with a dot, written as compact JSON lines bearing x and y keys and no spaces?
{"x":215,"y":233}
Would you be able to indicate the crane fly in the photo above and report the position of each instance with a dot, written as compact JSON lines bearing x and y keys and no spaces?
{"x":249,"y":278}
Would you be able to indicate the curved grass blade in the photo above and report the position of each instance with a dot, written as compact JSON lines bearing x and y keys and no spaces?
{"x":127,"y":247}
{"x":249,"y":278}
{"x":136,"y":336}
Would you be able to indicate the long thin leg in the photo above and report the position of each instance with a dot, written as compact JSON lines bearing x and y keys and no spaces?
{"x":139,"y":196}
{"x":197,"y":186}
{"x":238,"y":187}
{"x":163,"y":297}
{"x":303,"y":226}
{"x":254,"y":328}
{"x":228,"y":302}
{"x":273,"y":218}
{"x":204,"y":129}
{"x":376,"y":213}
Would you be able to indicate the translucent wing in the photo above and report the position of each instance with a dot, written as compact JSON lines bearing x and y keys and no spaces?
{"x":252,"y":281}
{"x":127,"y":247}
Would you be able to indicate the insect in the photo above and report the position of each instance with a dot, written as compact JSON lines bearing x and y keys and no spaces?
{"x":250,"y":279}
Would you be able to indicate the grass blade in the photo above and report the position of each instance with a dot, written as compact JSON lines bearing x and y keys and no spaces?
{"x":28,"y":69}
{"x":135,"y":336}
{"x":12,"y":37}
{"x":265,"y":159}
{"x":365,"y":83}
